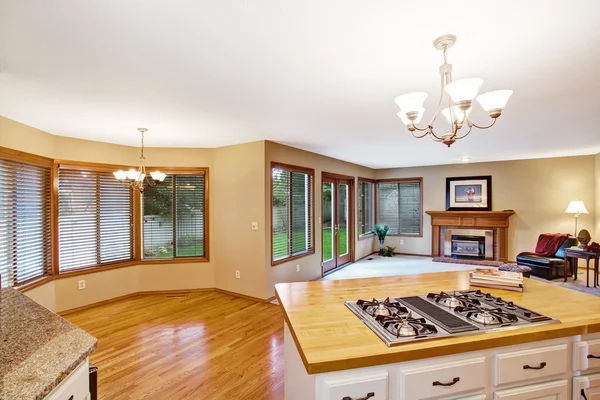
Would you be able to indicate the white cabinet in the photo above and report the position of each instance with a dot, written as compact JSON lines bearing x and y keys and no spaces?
{"x":586,"y":355}
{"x":373,"y":386}
{"x":76,"y":386}
{"x":555,"y":390}
{"x":586,"y":387}
{"x":441,"y":379}
{"x":524,"y":365}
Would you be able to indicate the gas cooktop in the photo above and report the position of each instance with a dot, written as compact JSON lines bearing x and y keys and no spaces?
{"x":436,"y":315}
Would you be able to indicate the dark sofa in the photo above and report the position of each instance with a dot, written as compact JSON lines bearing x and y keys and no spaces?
{"x":548,"y":267}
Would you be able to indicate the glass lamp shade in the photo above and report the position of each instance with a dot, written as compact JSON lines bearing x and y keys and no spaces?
{"x":133,"y":174}
{"x":576,"y":207}
{"x":495,"y":100}
{"x":408,"y":122}
{"x":464,"y":89}
{"x":457,"y":113}
{"x":411,"y":101}
{"x":120,"y":175}
{"x":158,"y":176}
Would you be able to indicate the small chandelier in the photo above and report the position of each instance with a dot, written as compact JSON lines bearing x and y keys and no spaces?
{"x":460,"y":98}
{"x":135,"y":178}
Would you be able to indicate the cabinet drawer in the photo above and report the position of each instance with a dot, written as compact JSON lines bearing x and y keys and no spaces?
{"x":441,"y":380}
{"x":556,"y":390}
{"x":586,"y":355}
{"x":355,"y":386}
{"x":524,"y":365}
{"x":588,"y":385}
{"x":76,"y":386}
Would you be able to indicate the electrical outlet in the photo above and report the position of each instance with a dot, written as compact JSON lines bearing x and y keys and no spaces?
{"x":237,"y":273}
{"x":81,"y":284}
{"x":255,"y":226}
{"x":401,"y":242}
{"x":297,"y":267}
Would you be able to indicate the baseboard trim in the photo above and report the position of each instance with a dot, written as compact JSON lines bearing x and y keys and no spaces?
{"x":414,"y":254}
{"x":367,"y":256}
{"x":161,"y":293}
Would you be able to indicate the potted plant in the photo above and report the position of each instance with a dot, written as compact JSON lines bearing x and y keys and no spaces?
{"x":381,"y":232}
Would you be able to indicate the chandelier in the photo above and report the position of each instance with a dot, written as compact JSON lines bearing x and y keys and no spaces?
{"x":460,"y":98}
{"x":135,"y":178}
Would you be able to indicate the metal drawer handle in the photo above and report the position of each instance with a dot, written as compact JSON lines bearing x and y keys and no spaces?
{"x":454,"y":382}
{"x":583,"y":394}
{"x":592,"y":356}
{"x":542,"y":365}
{"x":368,"y":396}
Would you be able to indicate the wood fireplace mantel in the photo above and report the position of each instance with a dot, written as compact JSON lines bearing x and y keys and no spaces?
{"x":497,"y":220}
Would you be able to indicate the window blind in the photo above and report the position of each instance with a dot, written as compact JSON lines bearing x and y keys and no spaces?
{"x":399,"y":207}
{"x":174,"y":218}
{"x":95,"y":219}
{"x":365,"y":207}
{"x":25,"y":226}
{"x":292,"y":213}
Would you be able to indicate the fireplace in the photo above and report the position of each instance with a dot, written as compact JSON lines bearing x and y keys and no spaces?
{"x":468,"y":247}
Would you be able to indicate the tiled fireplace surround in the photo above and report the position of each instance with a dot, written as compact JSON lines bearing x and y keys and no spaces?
{"x":492,"y":224}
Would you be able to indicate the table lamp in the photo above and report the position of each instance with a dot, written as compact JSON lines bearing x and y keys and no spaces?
{"x":576,"y":207}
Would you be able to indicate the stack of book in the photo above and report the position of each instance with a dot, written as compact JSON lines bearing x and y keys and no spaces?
{"x":492,"y":278}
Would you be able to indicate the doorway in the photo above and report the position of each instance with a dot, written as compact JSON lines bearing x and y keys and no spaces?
{"x":337,"y":221}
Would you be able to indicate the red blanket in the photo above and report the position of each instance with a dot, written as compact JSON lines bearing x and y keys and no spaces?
{"x":549,"y":243}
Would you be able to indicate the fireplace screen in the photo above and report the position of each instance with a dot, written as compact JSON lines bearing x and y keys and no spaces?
{"x":468,"y":247}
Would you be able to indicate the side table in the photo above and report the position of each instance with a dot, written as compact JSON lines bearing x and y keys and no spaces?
{"x":571,"y":257}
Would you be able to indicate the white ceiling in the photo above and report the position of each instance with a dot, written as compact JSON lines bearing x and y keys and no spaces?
{"x":320,"y":75}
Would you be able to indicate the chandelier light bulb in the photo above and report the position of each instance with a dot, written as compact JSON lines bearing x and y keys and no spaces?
{"x":407,"y":121}
{"x":411,"y":101}
{"x":133,"y":174}
{"x":458,"y":114}
{"x":463,"y":89}
{"x":120,"y":175}
{"x":495,"y":100}
{"x":158,"y":176}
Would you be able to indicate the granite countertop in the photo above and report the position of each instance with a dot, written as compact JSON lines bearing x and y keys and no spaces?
{"x":329,"y":337}
{"x":38,"y":348}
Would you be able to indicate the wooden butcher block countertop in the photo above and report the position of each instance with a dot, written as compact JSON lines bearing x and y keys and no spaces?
{"x":329,"y":337}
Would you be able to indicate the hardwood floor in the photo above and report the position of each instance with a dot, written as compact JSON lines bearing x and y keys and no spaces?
{"x":197,"y":346}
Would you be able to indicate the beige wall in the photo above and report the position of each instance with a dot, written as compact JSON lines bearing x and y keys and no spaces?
{"x":537,"y":190}
{"x":310,"y":266}
{"x":597,"y":185}
{"x":238,"y":184}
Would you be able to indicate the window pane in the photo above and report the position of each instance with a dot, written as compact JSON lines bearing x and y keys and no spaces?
{"x":25,"y":243}
{"x":158,"y":220}
{"x":95,"y":225}
{"x":292,"y":212}
{"x":190,"y":215}
{"x":365,"y":207}
{"x":399,"y":207}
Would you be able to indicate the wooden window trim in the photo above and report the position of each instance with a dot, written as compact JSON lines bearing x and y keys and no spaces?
{"x":401,"y":180}
{"x":139,"y":236}
{"x":21,"y":156}
{"x":292,"y":168}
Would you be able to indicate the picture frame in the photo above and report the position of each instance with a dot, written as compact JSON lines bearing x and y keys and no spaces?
{"x":469,"y":193}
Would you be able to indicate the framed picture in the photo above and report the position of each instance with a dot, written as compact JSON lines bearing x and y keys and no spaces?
{"x":469,"y":193}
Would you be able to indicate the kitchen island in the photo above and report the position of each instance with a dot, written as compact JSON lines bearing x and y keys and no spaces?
{"x":330,"y":351}
{"x":42,"y":356}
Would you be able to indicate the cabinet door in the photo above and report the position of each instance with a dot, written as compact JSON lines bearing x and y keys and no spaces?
{"x":586,"y":387}
{"x":586,"y":355}
{"x":556,"y":390}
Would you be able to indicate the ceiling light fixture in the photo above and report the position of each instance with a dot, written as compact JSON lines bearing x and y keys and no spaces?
{"x":135,"y":178}
{"x":460,"y":98}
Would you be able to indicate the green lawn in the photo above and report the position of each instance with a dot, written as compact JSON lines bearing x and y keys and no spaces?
{"x":281,"y":247}
{"x":188,"y":251}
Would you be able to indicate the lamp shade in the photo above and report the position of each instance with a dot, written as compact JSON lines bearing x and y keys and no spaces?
{"x":457,"y":113}
{"x":120,"y":175}
{"x":411,"y":101}
{"x":495,"y":100}
{"x":408,"y":122}
{"x":464,"y":89}
{"x":576,"y":207}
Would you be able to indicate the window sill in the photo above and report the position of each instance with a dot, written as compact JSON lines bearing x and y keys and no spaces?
{"x":366,"y":235}
{"x":89,"y":270}
{"x":34,"y":284}
{"x":175,"y":260}
{"x":419,"y":235}
{"x":292,"y":258}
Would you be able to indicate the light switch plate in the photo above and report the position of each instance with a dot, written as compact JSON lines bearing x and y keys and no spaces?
{"x":255,"y":226}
